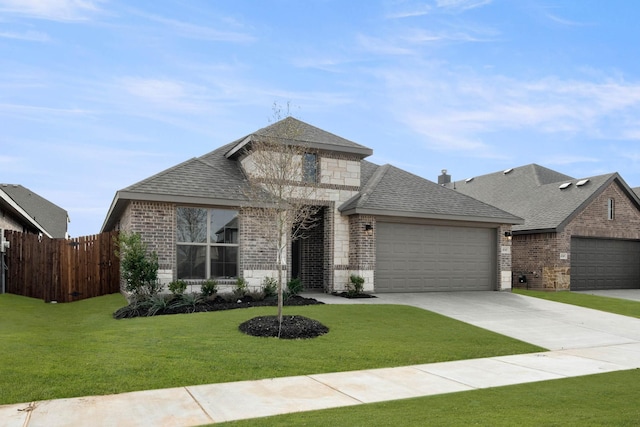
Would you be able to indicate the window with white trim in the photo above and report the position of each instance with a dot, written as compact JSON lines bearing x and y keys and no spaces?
{"x":611,"y":209}
{"x":207,"y":243}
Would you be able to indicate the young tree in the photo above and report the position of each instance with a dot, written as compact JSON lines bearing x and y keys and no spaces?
{"x":139,"y":266}
{"x":282,"y":173}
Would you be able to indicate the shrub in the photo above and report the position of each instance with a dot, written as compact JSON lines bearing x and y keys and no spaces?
{"x":241,"y":288}
{"x":355,"y":285}
{"x":178,"y":287}
{"x":187,"y":302}
{"x":294,"y":287}
{"x":158,"y":304}
{"x":209,"y":288}
{"x":139,"y":266}
{"x":269,"y":287}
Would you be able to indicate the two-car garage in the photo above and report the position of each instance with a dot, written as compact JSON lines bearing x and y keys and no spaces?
{"x":604,"y":264}
{"x":433,"y":258}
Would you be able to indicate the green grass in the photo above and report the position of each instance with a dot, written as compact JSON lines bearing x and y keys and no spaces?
{"x":598,"y":400}
{"x":602,"y":303}
{"x":52,"y":351}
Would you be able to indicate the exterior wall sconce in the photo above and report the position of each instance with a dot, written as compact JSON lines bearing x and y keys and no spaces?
{"x":368,"y":229}
{"x":508,"y":235}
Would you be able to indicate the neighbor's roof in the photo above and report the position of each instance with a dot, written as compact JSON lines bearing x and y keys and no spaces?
{"x":295,"y":132}
{"x":533,"y":193}
{"x":36,"y":211}
{"x":387,"y":190}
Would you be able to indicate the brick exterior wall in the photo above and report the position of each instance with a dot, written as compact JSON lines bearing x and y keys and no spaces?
{"x":545,"y":258}
{"x":362,"y":250}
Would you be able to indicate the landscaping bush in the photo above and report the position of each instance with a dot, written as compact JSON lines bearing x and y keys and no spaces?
{"x":209,"y":288}
{"x":355,"y":285}
{"x":187,"y":303}
{"x":178,"y":287}
{"x":294,"y":287}
{"x":269,"y":287}
{"x":240,"y":289}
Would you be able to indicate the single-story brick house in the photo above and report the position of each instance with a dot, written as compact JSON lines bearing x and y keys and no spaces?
{"x":397,"y":230}
{"x":578,"y":234}
{"x":23,"y":210}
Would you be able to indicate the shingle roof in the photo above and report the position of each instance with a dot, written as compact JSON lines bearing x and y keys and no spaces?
{"x":217,"y":178}
{"x":532,"y":192}
{"x":52,"y":218}
{"x":300,"y":133}
{"x":387,"y":190}
{"x":211,"y":176}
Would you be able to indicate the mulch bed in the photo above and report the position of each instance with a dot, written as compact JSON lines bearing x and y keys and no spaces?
{"x":293,"y":327}
{"x":217,"y":304}
{"x":352,"y":296}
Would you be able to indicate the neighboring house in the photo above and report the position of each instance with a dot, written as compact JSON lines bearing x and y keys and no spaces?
{"x":578,"y":234}
{"x":23,"y":210}
{"x":397,"y":230}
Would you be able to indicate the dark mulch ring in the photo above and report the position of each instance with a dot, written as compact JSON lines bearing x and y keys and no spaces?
{"x":293,"y":327}
{"x":144,"y":308}
{"x":352,"y":295}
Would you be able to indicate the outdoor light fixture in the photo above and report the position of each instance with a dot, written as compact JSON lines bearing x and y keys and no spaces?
{"x":368,"y":229}
{"x":507,"y":234}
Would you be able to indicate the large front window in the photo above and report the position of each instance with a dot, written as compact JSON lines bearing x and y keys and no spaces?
{"x":207,"y":241}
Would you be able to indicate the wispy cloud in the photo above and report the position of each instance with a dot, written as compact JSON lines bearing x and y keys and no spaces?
{"x":193,"y":31}
{"x":461,"y":5}
{"x":567,"y":22}
{"x":165,"y":94}
{"x":379,"y":46}
{"x":459,"y":111}
{"x":32,"y":36}
{"x":54,"y":10}
{"x":410,"y":11}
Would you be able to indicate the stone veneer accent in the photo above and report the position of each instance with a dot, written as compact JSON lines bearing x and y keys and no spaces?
{"x":362,"y":250}
{"x":538,"y":255}
{"x":504,"y":258}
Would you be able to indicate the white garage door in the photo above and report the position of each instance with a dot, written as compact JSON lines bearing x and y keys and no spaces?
{"x":423,"y":258}
{"x":604,"y":264}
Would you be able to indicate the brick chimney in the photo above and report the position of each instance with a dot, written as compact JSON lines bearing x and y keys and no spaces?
{"x":444,"y":179}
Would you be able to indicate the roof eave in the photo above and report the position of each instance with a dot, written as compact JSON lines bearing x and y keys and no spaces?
{"x":425,"y":215}
{"x":4,"y":196}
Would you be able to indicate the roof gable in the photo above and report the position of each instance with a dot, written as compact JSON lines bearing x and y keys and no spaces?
{"x":295,"y":132}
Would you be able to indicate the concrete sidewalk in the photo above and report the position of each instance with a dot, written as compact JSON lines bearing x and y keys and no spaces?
{"x":585,"y":342}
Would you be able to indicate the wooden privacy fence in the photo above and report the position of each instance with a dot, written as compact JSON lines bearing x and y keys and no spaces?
{"x":62,"y":270}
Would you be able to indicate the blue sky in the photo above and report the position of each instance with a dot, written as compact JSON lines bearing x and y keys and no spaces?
{"x":96,"y":95}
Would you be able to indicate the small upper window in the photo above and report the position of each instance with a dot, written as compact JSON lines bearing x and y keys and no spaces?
{"x":611,"y":209}
{"x":309,"y":167}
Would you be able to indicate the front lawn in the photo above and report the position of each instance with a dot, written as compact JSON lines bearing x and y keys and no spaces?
{"x":53,"y":351}
{"x":611,"y":305}
{"x":597,"y":400}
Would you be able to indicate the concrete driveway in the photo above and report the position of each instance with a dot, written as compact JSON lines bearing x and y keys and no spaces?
{"x":548,"y":324}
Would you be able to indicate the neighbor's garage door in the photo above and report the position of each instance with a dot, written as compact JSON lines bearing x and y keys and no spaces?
{"x":420,"y":258}
{"x":604,"y":264}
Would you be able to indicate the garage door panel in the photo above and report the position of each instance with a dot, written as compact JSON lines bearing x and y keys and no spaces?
{"x":604,"y":264}
{"x":418,"y":258}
